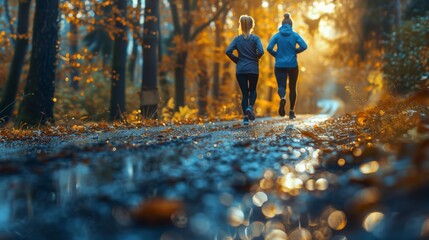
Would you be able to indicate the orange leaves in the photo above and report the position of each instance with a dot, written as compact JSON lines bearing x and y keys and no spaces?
{"x":180,"y":45}
{"x":157,"y":211}
{"x":423,"y":127}
{"x":167,"y":130}
{"x":184,"y":114}
{"x":391,"y":120}
{"x":51,"y":131}
{"x":361,"y":119}
{"x":310,"y":134}
{"x":78,"y":128}
{"x":421,"y":97}
{"x":15,"y":134}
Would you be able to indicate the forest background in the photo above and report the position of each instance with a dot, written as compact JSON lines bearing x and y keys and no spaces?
{"x":128,"y":61}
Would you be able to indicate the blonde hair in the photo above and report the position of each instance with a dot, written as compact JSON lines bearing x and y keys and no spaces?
{"x":246,"y":25}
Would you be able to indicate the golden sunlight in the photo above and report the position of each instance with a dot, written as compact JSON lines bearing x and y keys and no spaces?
{"x":327,"y":30}
{"x":318,"y":8}
{"x":265,"y":4}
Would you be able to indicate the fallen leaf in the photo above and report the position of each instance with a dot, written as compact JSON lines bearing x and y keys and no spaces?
{"x":156,"y":211}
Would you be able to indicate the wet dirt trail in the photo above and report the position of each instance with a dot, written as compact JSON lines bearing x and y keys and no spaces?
{"x":208,"y":181}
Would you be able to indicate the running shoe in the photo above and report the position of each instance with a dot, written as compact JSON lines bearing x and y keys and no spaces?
{"x":250,"y":114}
{"x":291,"y":115}
{"x":282,"y":112}
{"x":245,"y":120}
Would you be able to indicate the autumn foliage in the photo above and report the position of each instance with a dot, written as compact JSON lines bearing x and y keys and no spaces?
{"x":351,"y":63}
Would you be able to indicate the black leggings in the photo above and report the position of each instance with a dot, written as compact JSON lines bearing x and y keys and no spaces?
{"x":247,"y":82}
{"x":281,"y":76}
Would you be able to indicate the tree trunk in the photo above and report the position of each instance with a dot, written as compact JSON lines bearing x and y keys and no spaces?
{"x":9,"y":19}
{"x":216,"y":64}
{"x":117,"y":97}
{"x":179,"y":75}
{"x":203,"y":87}
{"x":135,"y":48}
{"x":38,"y":102}
{"x":186,"y":28}
{"x":8,"y":102}
{"x":133,"y":60}
{"x":398,"y":13}
{"x":226,"y":83}
{"x":163,"y":81}
{"x":219,"y":40}
{"x":74,"y":45}
{"x":181,"y":57}
{"x":150,"y":95}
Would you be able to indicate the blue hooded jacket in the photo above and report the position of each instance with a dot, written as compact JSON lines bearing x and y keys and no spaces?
{"x":249,"y":50}
{"x":286,"y":40}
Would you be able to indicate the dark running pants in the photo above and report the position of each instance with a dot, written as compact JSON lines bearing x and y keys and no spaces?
{"x":247,"y":83}
{"x":282,"y":75}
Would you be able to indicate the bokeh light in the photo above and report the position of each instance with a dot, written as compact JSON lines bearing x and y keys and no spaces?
{"x":235,"y":216}
{"x":322,"y":184}
{"x":259,"y":199}
{"x":276,"y":234}
{"x":255,"y":229}
{"x":341,"y":162}
{"x":300,"y":234}
{"x":424,"y":233}
{"x":337,"y":220}
{"x":370,"y":167}
{"x":269,"y":210}
{"x":372,"y":220}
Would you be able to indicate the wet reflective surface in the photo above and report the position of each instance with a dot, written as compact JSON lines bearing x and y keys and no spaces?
{"x":274,"y":179}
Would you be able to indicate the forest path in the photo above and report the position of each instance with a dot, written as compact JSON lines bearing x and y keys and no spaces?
{"x":73,"y":184}
{"x":214,"y":131}
{"x":268,"y":180}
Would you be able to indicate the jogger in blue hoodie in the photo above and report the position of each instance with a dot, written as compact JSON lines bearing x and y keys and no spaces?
{"x":286,"y":62}
{"x":250,"y":50}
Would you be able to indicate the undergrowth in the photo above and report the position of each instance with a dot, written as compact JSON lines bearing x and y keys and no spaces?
{"x":393,"y":119}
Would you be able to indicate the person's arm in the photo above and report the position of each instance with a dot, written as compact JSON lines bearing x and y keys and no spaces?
{"x":259,"y":48}
{"x":271,"y":45}
{"x":302,"y":46}
{"x":229,"y":51}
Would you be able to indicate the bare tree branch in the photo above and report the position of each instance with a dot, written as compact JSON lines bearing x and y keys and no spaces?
{"x":176,"y":19}
{"x":225,"y":7}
